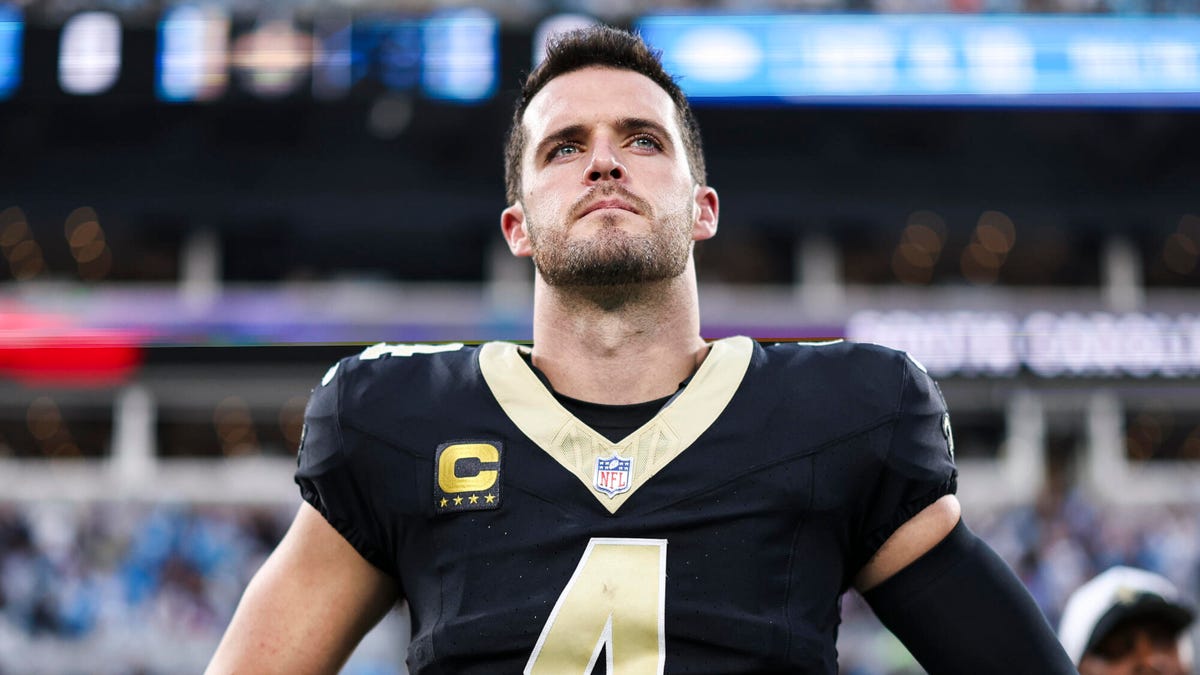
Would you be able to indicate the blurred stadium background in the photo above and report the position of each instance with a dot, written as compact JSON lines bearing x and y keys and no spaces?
{"x":202,"y":205}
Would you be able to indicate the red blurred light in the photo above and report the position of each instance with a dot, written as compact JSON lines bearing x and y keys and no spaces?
{"x":38,"y":349}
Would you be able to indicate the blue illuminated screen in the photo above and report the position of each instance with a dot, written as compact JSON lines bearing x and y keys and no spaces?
{"x":11,"y":27}
{"x":933,"y":59}
{"x":447,"y":56}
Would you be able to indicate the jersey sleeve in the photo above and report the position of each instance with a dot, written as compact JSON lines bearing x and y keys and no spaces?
{"x":334,"y":473}
{"x":917,"y":462}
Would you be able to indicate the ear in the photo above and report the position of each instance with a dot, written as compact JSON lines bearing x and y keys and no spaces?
{"x":708,"y":208}
{"x":512,"y":224}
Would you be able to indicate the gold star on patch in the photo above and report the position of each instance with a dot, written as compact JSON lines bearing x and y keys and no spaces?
{"x":444,"y":502}
{"x":458,"y":501}
{"x":490,"y":498}
{"x":474,"y":499}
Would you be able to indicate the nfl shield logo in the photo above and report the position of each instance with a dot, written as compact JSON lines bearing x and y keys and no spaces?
{"x":613,"y":474}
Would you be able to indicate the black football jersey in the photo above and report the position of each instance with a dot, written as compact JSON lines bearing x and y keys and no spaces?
{"x":716,"y":538}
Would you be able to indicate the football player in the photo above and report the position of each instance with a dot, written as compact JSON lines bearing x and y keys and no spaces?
{"x":625,"y":497}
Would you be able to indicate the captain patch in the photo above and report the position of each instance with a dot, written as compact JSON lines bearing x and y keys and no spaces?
{"x":467,"y":476}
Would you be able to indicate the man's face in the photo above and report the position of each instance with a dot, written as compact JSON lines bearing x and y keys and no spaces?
{"x":1144,"y":647}
{"x":608,"y":195}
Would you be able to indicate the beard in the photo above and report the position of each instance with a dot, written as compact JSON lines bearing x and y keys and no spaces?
{"x":613,"y":257}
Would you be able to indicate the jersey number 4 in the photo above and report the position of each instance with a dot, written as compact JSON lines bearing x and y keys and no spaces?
{"x":613,"y":603}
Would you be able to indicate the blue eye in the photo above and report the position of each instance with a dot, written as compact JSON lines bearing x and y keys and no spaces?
{"x":564,"y":149}
{"x":648,"y":142}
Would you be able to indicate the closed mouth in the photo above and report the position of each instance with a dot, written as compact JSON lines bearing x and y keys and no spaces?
{"x":608,"y":204}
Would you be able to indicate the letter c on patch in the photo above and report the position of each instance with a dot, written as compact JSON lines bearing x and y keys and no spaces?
{"x":451,"y":457}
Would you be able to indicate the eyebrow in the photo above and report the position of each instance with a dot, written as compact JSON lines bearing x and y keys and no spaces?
{"x":625,"y":125}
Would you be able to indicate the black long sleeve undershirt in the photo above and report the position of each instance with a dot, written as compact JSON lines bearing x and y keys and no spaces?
{"x":961,"y":610}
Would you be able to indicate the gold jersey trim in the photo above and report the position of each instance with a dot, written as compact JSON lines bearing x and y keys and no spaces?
{"x":576,"y":446}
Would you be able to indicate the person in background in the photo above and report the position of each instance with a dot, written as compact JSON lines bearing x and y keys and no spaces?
{"x":1128,"y":621}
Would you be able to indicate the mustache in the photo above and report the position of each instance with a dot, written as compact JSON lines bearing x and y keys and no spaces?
{"x":605,"y":191}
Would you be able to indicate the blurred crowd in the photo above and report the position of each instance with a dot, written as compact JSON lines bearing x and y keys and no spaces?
{"x":130,"y":589}
{"x":148,"y":588}
{"x":122,"y":588}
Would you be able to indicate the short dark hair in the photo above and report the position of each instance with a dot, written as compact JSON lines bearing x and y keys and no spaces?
{"x":606,"y":47}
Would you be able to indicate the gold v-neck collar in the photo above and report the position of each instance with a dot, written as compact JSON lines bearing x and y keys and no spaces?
{"x":578,"y":447}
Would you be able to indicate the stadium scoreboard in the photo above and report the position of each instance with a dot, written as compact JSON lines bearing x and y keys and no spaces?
{"x":202,"y":53}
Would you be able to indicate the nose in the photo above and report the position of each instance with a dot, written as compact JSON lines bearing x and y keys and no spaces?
{"x":605,"y":165}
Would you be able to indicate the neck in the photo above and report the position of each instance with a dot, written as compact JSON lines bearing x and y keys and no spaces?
{"x":618,"y":345}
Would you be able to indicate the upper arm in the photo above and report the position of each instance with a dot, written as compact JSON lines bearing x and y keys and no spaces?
{"x":910,"y":541}
{"x":909,"y":506}
{"x":308,"y":606}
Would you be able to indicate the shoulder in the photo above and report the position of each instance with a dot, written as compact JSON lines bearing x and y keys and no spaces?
{"x":372,"y":389}
{"x":840,"y":353}
{"x":387,"y":361}
{"x":384,"y":375}
{"x":864,"y":373}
